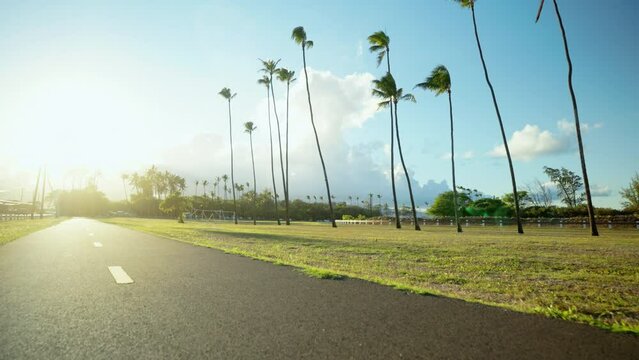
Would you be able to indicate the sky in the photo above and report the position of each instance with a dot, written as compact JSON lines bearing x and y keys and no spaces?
{"x":101,"y":88}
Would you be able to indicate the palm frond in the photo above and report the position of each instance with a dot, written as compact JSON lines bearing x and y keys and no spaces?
{"x":249,"y":127}
{"x":379,"y":38}
{"x":438,"y":81}
{"x":466,"y":3}
{"x":541,"y":6}
{"x":380,"y":57}
{"x":383,"y":104}
{"x":226,"y":93}
{"x":285,"y":75}
{"x":265,"y":80}
{"x":406,"y":97}
{"x":309,"y":44}
{"x":385,"y":87}
{"x":299,"y":35}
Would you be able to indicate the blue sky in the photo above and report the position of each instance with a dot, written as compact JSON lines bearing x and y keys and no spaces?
{"x":114,"y":86}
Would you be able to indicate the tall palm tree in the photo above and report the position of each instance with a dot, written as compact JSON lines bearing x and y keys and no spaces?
{"x":125,"y":177}
{"x":287,"y":76}
{"x":299,"y":36}
{"x":226,"y":94}
{"x":270,"y":68}
{"x":197,"y":183}
{"x":380,"y":44}
{"x":216,"y":185}
{"x":471,"y":4}
{"x":439,"y":83}
{"x":386,"y":89}
{"x":591,"y":209}
{"x":204,"y":184}
{"x":266,"y":81}
{"x":225,"y":179}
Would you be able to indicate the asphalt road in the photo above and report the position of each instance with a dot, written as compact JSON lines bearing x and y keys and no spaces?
{"x":58,"y":299}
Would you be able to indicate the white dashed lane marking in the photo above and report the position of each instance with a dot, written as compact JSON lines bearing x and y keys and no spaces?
{"x":120,"y":275}
{"x":97,"y":244}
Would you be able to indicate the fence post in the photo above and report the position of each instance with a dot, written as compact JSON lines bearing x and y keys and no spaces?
{"x":500,"y":223}
{"x":437,"y":222}
{"x":583,"y":224}
{"x":609,"y":224}
{"x":561,"y":223}
{"x":466,"y":222}
{"x":451,"y":223}
{"x":483,"y":222}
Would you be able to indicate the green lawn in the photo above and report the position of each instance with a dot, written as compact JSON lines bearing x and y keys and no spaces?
{"x":556,"y":272}
{"x":15,"y":229}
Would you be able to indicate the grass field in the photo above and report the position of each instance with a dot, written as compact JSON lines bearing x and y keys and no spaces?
{"x":15,"y":229}
{"x":561,"y":273}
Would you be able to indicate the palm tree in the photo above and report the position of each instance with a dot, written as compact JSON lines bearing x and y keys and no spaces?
{"x":380,"y":44}
{"x":386,"y":88}
{"x":226,"y":93}
{"x":125,"y":177}
{"x":439,"y":83}
{"x":591,"y":209}
{"x":249,"y":127}
{"x":299,"y":36}
{"x":204,"y":184}
{"x":471,"y":4}
{"x":225,"y":179}
{"x":197,"y":183}
{"x":266,"y":81}
{"x":216,"y":184}
{"x":287,"y":76}
{"x":270,"y":68}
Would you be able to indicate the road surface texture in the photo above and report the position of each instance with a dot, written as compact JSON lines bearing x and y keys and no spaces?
{"x":59,"y":299}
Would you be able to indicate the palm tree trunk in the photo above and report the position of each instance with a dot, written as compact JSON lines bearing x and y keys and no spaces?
{"x":398,"y":223}
{"x":401,"y":157}
{"x":452,"y":159}
{"x":35,"y":193}
{"x":279,"y":138}
{"x":126,"y":196}
{"x":232,"y":175}
{"x":520,"y":228}
{"x":591,"y":209}
{"x":270,"y":135}
{"x":254,"y":181}
{"x":288,"y":222}
{"x":319,"y":149}
{"x":44,"y":186}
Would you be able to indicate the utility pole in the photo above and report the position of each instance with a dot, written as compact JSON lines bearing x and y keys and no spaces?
{"x":35,"y":194}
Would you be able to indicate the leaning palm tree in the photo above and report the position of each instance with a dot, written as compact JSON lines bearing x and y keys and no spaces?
{"x":270,"y":68}
{"x":226,"y":93}
{"x":287,"y":76}
{"x":386,"y":88}
{"x":471,"y":4}
{"x":439,"y":83}
{"x":249,"y":128}
{"x":380,"y":44}
{"x":591,"y":209}
{"x":299,"y":36}
{"x":266,"y":81}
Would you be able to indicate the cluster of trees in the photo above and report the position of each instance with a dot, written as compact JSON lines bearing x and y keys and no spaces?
{"x":390,"y":94}
{"x":536,"y":201}
{"x":81,"y":202}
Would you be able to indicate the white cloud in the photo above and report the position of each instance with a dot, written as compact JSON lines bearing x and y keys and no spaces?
{"x":600,"y":190}
{"x":468,"y":155}
{"x":568,"y":127}
{"x":531,"y":142}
